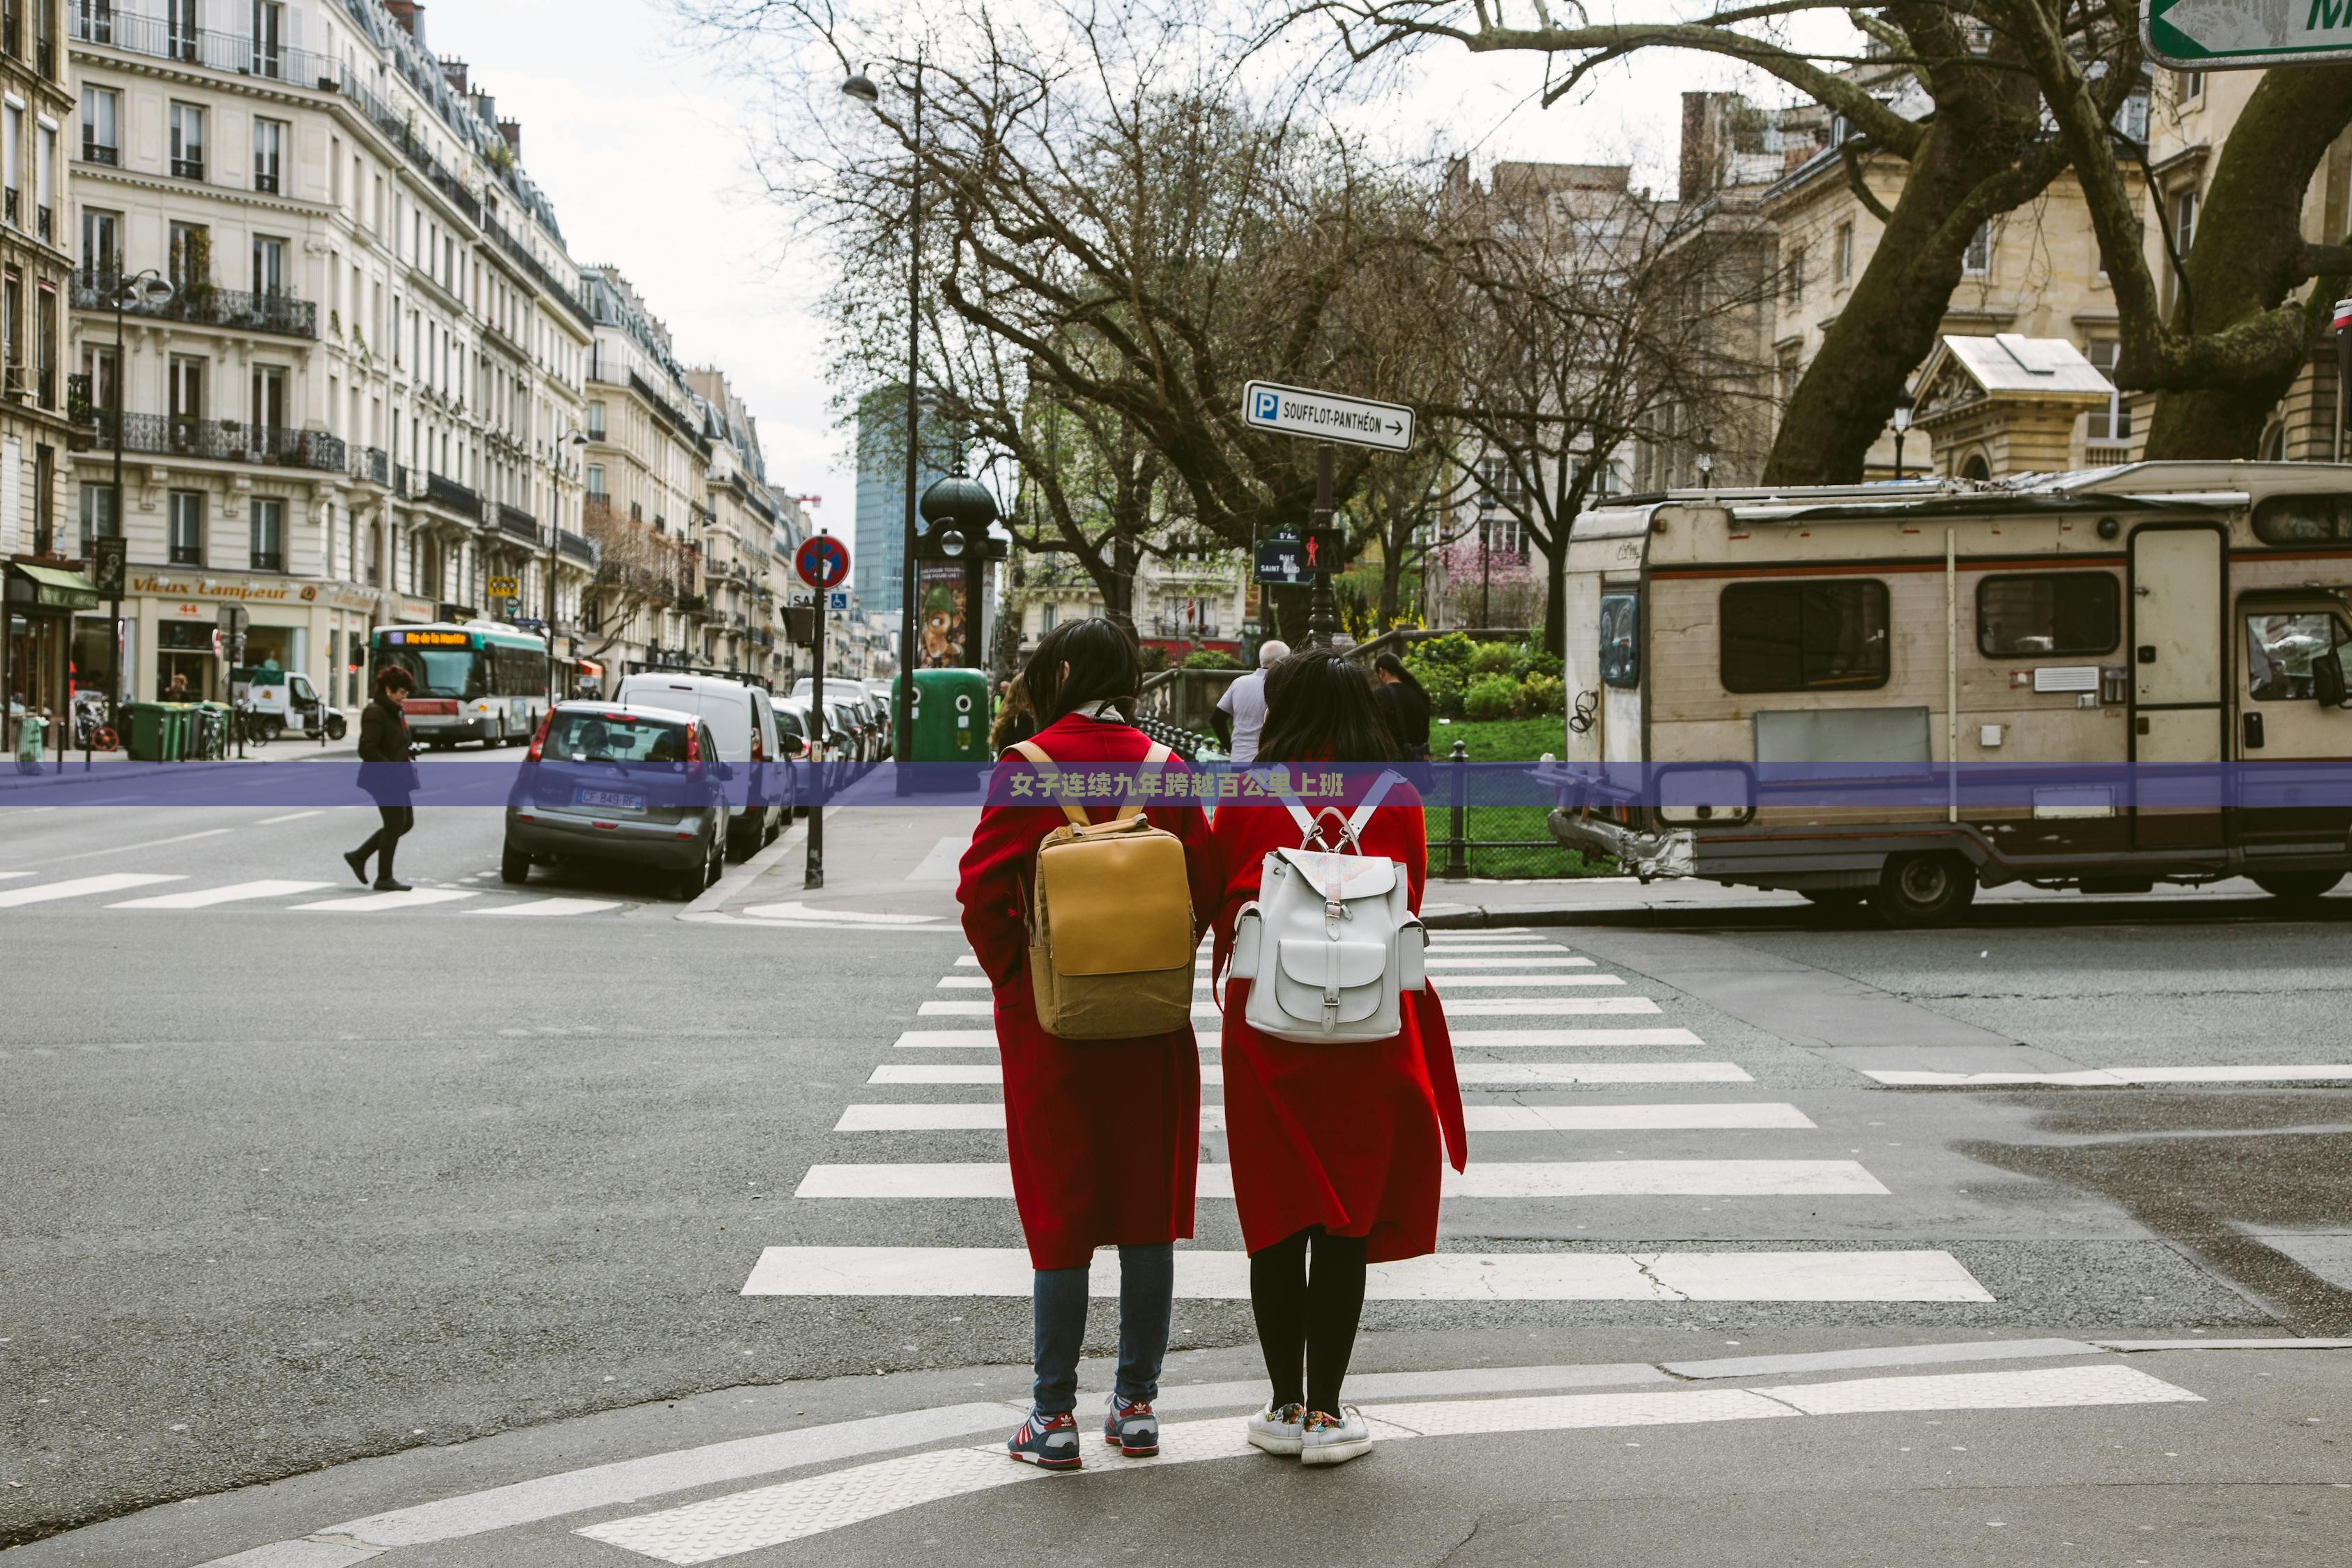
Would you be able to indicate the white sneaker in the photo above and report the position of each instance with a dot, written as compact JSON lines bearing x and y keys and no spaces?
{"x":1334,"y":1439}
{"x":1276,"y":1428}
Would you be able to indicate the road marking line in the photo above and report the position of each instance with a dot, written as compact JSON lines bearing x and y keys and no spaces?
{"x":210,"y":896}
{"x":1545,"y":1179}
{"x":1537,"y":1006}
{"x":988,"y":1116}
{"x":12,"y":876}
{"x":1457,"y":981}
{"x":80,"y":887}
{"x":851,"y":916}
{"x":1480,"y":933}
{"x":1878,"y":1356}
{"x":2110,"y":1077}
{"x":1436,"y":962}
{"x":956,"y":1010}
{"x":1513,"y":1038}
{"x":943,"y":863}
{"x":1204,"y":1275}
{"x":1474,"y":1074}
{"x":289,"y":817}
{"x":965,"y":982}
{"x":376,"y":904}
{"x":967,"y":962}
{"x":945,"y":1039}
{"x":150,"y":844}
{"x":1439,"y":944}
{"x":533,"y":906}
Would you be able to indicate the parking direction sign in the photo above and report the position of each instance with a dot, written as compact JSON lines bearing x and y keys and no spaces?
{"x":2238,"y":34}
{"x":1330,"y":415}
{"x":821,"y":561}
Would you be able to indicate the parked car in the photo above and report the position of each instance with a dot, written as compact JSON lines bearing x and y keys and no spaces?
{"x":880,"y":691}
{"x":618,"y":784}
{"x":792,"y":728}
{"x":739,"y":715}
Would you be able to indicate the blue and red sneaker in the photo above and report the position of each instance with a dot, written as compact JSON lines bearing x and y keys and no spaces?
{"x":1049,"y":1442}
{"x":1132,"y":1426}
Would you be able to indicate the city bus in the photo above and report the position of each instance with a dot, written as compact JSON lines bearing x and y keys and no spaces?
{"x":480,"y":681}
{"x":1901,"y":692}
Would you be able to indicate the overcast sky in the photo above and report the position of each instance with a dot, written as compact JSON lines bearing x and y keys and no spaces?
{"x":642,"y":145}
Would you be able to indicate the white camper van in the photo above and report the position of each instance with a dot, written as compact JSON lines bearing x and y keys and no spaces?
{"x":2138,"y":670}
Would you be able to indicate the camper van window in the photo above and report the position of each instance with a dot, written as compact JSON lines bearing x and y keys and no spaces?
{"x":2049,"y":613}
{"x":2303,"y":519}
{"x":1621,"y":640}
{"x":2280,"y":646}
{"x":1805,"y":636}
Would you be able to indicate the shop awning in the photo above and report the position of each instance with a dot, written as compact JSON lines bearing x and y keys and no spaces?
{"x":50,"y":588}
{"x":589,"y":667}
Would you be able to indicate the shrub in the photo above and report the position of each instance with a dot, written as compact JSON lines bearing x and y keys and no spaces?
{"x":1451,"y":651}
{"x":1152,"y":658}
{"x":1490,"y":697}
{"x":1542,"y":697}
{"x":1443,"y":685}
{"x":1211,"y":658}
{"x":1493,"y":658}
{"x":1534,"y":658}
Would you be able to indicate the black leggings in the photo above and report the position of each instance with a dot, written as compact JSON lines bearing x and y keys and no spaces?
{"x":397,"y":820}
{"x":1310,"y":1320}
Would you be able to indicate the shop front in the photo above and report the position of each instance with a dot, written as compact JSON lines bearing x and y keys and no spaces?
{"x":316,"y":629}
{"x":36,"y":657}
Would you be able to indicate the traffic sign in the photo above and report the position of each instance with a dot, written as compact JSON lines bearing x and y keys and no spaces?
{"x":1329,"y":416}
{"x":233,"y":618}
{"x":505,"y":588}
{"x":821,"y":561}
{"x":2239,"y":35}
{"x":838,"y":600}
{"x":1289,"y":563}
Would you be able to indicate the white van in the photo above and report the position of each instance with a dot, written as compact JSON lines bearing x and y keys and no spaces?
{"x":745,"y":728}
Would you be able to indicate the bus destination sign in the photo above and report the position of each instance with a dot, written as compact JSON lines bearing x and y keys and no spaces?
{"x":429,"y":639}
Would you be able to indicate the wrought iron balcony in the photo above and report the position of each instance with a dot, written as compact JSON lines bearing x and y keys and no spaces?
{"x":93,"y":151}
{"x":188,"y":169}
{"x":219,"y":440}
{"x":520,"y":524}
{"x":9,"y":206}
{"x":202,"y":304}
{"x":46,"y":226}
{"x":164,"y":39}
{"x":576,"y":547}
{"x":370,"y":465}
{"x":449,"y":493}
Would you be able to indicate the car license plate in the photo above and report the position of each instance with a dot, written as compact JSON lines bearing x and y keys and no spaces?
{"x":609,"y":799}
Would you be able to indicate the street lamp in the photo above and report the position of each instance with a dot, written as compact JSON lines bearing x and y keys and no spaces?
{"x":151,"y":291}
{"x":1902,"y":423}
{"x":554,"y":532}
{"x":1486,"y":550}
{"x":1706,"y":459}
{"x":861,"y":88}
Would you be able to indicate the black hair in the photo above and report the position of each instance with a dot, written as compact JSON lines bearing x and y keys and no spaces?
{"x":1319,"y":708}
{"x":1104,"y":668}
{"x":1395,"y":665}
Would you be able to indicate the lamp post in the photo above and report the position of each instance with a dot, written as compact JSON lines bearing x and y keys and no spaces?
{"x":152,"y":291}
{"x":1902,"y":423}
{"x":861,"y":88}
{"x":1485,"y":551}
{"x":554,"y":538}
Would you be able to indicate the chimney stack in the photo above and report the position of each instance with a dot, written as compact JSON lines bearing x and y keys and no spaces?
{"x":512,"y":131}
{"x":454,"y":72}
{"x":409,"y":14}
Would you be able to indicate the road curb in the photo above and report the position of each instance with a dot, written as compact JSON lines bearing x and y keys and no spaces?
{"x":735,"y":877}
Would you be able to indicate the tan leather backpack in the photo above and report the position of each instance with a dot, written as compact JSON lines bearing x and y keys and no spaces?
{"x":1111,"y":936}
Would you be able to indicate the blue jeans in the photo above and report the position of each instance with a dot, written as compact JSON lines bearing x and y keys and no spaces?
{"x":1147,"y":1299}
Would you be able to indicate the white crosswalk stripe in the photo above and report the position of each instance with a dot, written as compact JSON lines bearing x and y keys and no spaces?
{"x":286,"y":894}
{"x":206,"y":898}
{"x":373,"y":903}
{"x":1503,"y":992}
{"x":551,"y":907}
{"x":78,"y":888}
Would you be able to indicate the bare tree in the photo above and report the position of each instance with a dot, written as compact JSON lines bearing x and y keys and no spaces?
{"x":639,"y":572}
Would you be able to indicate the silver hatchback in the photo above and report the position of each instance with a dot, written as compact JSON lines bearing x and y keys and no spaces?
{"x":630,"y":786}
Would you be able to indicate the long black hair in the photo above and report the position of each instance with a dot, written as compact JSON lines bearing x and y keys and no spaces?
{"x":1319,"y":708}
{"x":1103,"y":668}
{"x":1391,"y":664}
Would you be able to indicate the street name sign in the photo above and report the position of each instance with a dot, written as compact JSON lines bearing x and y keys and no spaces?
{"x":821,"y":561}
{"x":1330,"y":415}
{"x":2241,"y":35}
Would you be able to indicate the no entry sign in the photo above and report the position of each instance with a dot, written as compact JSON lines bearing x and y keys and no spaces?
{"x":821,"y":561}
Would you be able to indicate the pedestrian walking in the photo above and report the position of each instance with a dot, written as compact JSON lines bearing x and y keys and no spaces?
{"x":388,"y":774}
{"x":1241,"y":711}
{"x":1103,"y":1134}
{"x":1336,"y":1146}
{"x":1406,"y":702}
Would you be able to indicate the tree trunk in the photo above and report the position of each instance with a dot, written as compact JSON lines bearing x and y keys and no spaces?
{"x":2246,"y":255}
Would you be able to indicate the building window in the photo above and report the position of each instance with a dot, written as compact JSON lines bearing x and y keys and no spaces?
{"x":595,"y":478}
{"x":187,"y":389}
{"x":44,"y":499}
{"x":2184,"y":222}
{"x":2049,"y":613}
{"x":187,"y":141}
{"x":269,"y":397}
{"x":191,"y":255}
{"x":12,"y":150}
{"x":595,"y":422}
{"x":269,"y":153}
{"x":2189,"y":88}
{"x":2112,"y":422}
{"x":12,"y":349}
{"x":44,"y":185}
{"x":187,"y":528}
{"x":94,"y":20}
{"x":1819,"y":635}
{"x":267,"y":545}
{"x":1797,"y":276}
{"x":269,"y":266}
{"x":97,"y":519}
{"x":45,"y":346}
{"x":179,"y":28}
{"x":101,"y":245}
{"x":269,"y":38}
{"x":102,"y":112}
{"x":1977,"y":260}
{"x":1845,"y":252}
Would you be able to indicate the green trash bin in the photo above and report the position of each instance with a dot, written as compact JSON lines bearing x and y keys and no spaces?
{"x":949,"y":723}
{"x":149,"y":726}
{"x":180,"y":743}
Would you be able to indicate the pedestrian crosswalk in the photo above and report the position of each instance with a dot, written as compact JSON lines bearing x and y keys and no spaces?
{"x":295,"y":895}
{"x":905,"y":1150}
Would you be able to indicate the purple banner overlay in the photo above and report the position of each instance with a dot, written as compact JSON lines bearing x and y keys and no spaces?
{"x":1685,"y":793}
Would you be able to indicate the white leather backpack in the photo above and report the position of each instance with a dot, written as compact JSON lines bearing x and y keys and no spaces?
{"x":1330,"y":942}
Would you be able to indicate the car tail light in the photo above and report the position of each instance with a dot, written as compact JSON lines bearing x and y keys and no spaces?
{"x":539,"y":737}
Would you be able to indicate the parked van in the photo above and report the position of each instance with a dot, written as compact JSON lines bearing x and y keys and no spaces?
{"x":745,"y":729}
{"x":2097,"y":680}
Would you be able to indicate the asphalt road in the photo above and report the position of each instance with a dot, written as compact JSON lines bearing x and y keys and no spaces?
{"x":289,"y":1186}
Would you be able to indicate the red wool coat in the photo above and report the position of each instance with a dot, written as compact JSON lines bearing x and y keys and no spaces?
{"x":1349,"y":1137}
{"x":1104,"y":1135}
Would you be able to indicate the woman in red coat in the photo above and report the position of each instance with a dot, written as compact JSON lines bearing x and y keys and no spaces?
{"x":1338,"y":1146}
{"x":1104,"y":1135}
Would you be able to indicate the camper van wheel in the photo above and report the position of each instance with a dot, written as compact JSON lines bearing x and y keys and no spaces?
{"x":1834,"y":898}
{"x":1917,"y":891}
{"x":2298,"y":887}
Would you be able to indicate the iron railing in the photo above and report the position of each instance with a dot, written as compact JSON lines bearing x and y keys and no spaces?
{"x":370,"y":465}
{"x":164,"y":39}
{"x":187,"y":168}
{"x":513,"y":520}
{"x":576,"y":547}
{"x":202,"y":304}
{"x":219,"y":440}
{"x":449,"y":493}
{"x":396,"y":128}
{"x":93,"y":151}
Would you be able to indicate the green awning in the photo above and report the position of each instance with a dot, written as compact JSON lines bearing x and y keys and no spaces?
{"x":52,"y":588}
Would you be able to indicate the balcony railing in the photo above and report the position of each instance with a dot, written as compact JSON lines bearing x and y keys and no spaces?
{"x":45,"y":224}
{"x":9,"y":206}
{"x":371,"y":466}
{"x":576,"y":547}
{"x":93,"y":151}
{"x":397,"y":127}
{"x":449,"y":493}
{"x":188,"y":169}
{"x":163,"y":39}
{"x":514,"y":520}
{"x":219,"y":440}
{"x":202,"y":304}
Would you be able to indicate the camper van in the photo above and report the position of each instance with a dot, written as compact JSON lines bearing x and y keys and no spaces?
{"x":1903,"y":692}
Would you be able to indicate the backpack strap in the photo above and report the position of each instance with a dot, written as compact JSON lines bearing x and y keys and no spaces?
{"x":1157,"y":757}
{"x":1363,"y":816}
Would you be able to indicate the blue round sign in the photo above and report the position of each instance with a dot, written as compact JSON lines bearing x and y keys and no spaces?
{"x":821,"y":561}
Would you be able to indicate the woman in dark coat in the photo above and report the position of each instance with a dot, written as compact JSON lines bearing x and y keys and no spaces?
{"x":388,"y":774}
{"x":1406,"y":704}
{"x":1104,"y":1135}
{"x":1337,"y":1146}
